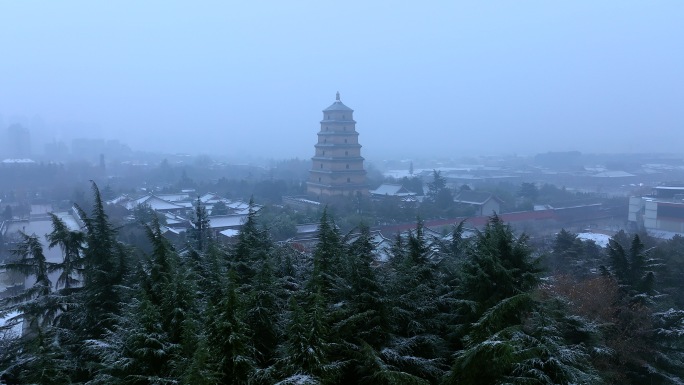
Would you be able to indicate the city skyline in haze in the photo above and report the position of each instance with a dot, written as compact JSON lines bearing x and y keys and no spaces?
{"x":437,"y":79}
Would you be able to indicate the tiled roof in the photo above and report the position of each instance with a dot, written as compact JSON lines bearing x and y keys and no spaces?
{"x":338,"y":105}
{"x":307,"y":228}
{"x":173,"y":197}
{"x":391,"y":190}
{"x":227,"y":221}
{"x":474,"y":197}
{"x":154,"y":202}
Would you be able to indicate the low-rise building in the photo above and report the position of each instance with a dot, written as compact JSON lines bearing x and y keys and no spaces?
{"x":485,"y":203}
{"x":661,"y":214}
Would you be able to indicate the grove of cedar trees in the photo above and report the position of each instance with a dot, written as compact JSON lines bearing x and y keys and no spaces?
{"x":482,"y":310}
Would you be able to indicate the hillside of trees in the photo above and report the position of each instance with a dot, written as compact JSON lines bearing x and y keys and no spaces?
{"x":482,"y":310}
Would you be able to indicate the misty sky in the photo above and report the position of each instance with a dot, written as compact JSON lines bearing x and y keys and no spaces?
{"x":433,"y":78}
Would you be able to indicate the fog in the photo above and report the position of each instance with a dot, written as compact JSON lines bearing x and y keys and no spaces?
{"x":436,"y":79}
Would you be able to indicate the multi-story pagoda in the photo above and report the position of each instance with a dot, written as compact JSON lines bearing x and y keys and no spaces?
{"x":337,"y":166}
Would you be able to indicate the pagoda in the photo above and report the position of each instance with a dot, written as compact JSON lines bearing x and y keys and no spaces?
{"x":337,"y":166}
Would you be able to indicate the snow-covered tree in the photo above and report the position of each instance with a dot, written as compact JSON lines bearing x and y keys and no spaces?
{"x":71,"y":243}
{"x":509,"y":335}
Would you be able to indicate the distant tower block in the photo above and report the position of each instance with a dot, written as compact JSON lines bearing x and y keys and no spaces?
{"x":337,"y":166}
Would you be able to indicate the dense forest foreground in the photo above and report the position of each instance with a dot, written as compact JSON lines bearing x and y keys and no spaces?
{"x":482,"y":310}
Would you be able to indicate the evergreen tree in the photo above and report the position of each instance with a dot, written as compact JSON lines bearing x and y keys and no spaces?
{"x":306,"y":351}
{"x":327,"y":259}
{"x":101,"y":298}
{"x":35,"y":359}
{"x":252,"y":247}
{"x":362,"y":319}
{"x":219,"y":208}
{"x":154,"y":340}
{"x":34,"y":355}
{"x":457,"y":246}
{"x":365,"y":304}
{"x":632,"y":267}
{"x":231,"y":349}
{"x":438,"y":192}
{"x":200,"y":233}
{"x":264,"y":309}
{"x":528,"y":191}
{"x":415,"y":346}
{"x":510,"y":337}
{"x":104,"y":268}
{"x":71,"y":244}
{"x":642,"y":328}
{"x":498,"y":266}
{"x":567,"y":253}
{"x":671,"y":274}
{"x":33,"y":305}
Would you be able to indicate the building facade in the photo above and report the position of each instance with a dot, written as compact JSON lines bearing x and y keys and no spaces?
{"x":662,"y":213}
{"x":337,"y":165}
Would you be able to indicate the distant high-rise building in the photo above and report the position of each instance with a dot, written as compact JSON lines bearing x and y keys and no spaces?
{"x":337,"y":166}
{"x":18,"y":142}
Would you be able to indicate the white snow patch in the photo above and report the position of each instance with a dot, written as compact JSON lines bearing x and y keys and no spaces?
{"x":299,"y":379}
{"x":14,"y":331}
{"x":599,"y":239}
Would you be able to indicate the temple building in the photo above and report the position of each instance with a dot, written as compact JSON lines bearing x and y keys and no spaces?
{"x":337,"y":166}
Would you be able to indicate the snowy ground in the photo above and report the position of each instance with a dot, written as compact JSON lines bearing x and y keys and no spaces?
{"x":600,"y":239}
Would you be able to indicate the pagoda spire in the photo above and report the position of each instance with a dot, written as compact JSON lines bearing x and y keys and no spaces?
{"x":337,"y":96}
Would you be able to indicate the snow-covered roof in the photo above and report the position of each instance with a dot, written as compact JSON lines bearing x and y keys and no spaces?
{"x":391,"y":190}
{"x":174,"y":221}
{"x":236,"y":205}
{"x":155,"y":203}
{"x":174,"y":197}
{"x":211,"y":197}
{"x":475,"y":197}
{"x":302,"y":200}
{"x":227,"y":221}
{"x":306,"y":228}
{"x":185,"y":204}
{"x":121,"y":199}
{"x":68,"y":220}
{"x":613,"y":174}
{"x":173,"y":230}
